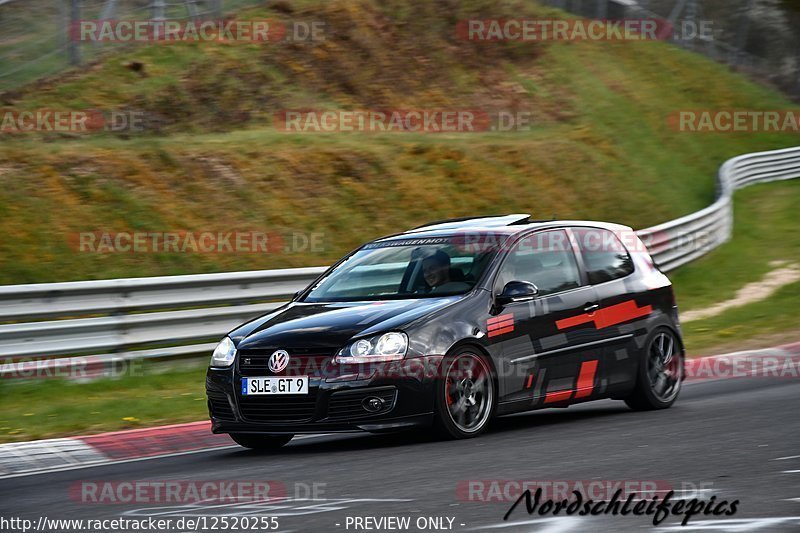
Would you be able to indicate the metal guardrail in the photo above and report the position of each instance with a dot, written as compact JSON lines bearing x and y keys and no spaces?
{"x":675,"y":243}
{"x":95,"y":323}
{"x":157,"y":317}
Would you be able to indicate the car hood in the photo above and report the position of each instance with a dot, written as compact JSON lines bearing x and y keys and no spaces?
{"x":331,"y":325}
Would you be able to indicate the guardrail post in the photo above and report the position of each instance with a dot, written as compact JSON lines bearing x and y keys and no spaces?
{"x":742,"y":33}
{"x":157,"y":15}
{"x":109,"y":10}
{"x":73,"y":45}
{"x":602,"y":9}
{"x":191,"y":8}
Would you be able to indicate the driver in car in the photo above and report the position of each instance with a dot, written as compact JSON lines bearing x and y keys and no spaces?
{"x":437,"y":273}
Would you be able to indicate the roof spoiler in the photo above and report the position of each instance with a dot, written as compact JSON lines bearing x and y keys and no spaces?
{"x":497,"y":221}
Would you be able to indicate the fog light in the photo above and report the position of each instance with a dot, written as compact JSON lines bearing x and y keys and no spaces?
{"x":372,"y":404}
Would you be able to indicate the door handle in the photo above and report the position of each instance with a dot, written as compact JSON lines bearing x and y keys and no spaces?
{"x":591,"y":308}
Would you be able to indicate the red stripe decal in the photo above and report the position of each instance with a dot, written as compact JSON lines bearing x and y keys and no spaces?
{"x":624,"y":312}
{"x":503,"y":331}
{"x":586,"y":379}
{"x":571,"y":322}
{"x":607,"y":317}
{"x":500,"y":325}
{"x":499,"y":319}
{"x":560,"y":396}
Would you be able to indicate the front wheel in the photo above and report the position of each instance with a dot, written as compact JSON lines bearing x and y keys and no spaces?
{"x":260,"y":442}
{"x":660,"y":373}
{"x":465,"y":396}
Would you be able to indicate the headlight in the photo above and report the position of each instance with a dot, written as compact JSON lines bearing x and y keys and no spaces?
{"x":387,"y":347}
{"x":224,"y":353}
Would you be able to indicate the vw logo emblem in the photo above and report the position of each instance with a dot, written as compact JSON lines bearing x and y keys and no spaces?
{"x":278,"y":361}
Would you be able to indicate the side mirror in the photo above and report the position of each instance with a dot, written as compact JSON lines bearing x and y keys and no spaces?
{"x":295,"y":295}
{"x":517,"y":291}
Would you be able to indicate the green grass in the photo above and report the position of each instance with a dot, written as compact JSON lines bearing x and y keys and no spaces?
{"x":760,"y":320}
{"x":765,"y":230}
{"x":37,"y":410}
{"x":36,"y":37}
{"x":211,"y":160}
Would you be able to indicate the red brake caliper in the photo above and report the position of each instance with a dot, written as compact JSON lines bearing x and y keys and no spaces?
{"x":447,"y":395}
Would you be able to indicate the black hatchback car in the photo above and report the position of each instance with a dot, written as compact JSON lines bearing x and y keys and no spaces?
{"x":451,"y":324}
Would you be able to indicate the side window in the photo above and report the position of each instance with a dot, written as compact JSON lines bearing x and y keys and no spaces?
{"x":544,"y":259}
{"x":605,"y":257}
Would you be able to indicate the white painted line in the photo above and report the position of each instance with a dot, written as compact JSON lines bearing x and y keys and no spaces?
{"x":561,"y":524}
{"x":113,"y":462}
{"x":285,"y":507}
{"x":556,"y":525}
{"x":791,"y":472}
{"x":735,"y":524}
{"x":107,"y":462}
{"x":787,"y":458}
{"x":511,"y":524}
{"x":684,"y":494}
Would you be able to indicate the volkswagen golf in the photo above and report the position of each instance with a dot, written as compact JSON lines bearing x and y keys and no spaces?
{"x":449,"y":325}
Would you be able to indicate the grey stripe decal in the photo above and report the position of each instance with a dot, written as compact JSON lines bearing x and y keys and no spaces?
{"x":567,"y":348}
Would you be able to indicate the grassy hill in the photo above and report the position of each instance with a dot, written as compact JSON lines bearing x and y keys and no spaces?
{"x":212,"y":160}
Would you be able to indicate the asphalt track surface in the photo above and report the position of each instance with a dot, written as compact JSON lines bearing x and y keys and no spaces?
{"x":733,"y":439}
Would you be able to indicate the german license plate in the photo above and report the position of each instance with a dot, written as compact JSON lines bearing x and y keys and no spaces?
{"x":273,"y":385}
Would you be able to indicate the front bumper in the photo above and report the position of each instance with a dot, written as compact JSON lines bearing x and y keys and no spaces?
{"x":335,"y":403}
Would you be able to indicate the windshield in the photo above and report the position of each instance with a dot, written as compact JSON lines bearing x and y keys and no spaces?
{"x":414,"y":268}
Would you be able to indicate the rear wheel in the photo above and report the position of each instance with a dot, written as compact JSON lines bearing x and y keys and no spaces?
{"x":260,"y":442}
{"x":660,"y":373}
{"x":465,"y":395}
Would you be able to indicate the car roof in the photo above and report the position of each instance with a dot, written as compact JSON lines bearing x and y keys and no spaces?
{"x":505,"y":225}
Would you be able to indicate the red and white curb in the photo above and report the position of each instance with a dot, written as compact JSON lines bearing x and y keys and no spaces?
{"x":778,"y":362}
{"x":22,"y":458}
{"x":26,"y":458}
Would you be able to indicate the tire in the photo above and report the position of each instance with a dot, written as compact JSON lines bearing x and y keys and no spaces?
{"x":260,"y":442}
{"x":660,"y":372}
{"x":466,"y":395}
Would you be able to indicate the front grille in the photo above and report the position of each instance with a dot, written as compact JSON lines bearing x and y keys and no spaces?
{"x":278,"y":408}
{"x":302,"y":362}
{"x":349,"y":404}
{"x":219,"y":407}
